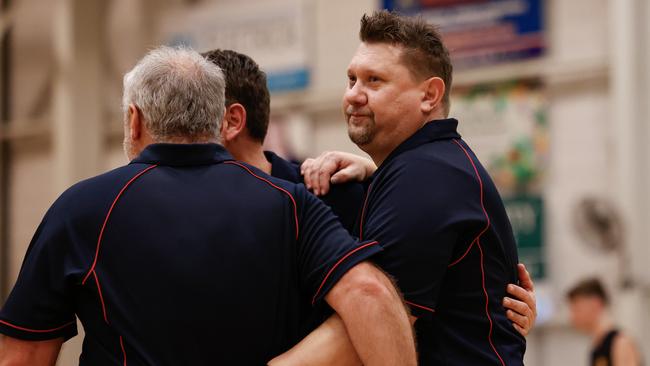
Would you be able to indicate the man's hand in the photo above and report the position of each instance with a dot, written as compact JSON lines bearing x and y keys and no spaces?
{"x":16,"y":352}
{"x":335,"y":167}
{"x":522,"y":309}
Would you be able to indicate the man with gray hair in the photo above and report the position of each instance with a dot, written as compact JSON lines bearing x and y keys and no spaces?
{"x":187,"y":257}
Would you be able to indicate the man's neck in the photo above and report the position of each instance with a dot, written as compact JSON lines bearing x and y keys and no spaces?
{"x":251,"y":153}
{"x":378,"y":157}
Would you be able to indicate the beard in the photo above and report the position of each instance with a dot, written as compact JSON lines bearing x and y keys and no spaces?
{"x":361,"y":130}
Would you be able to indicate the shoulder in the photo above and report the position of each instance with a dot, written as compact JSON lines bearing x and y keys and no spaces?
{"x":417,"y":171}
{"x":98,"y":188}
{"x":434,"y":158}
{"x":80,"y":209}
{"x":623,"y":342}
{"x":262,"y":176}
{"x":624,"y":349}
{"x":295,"y":191}
{"x":441,"y":187}
{"x":283,"y":169}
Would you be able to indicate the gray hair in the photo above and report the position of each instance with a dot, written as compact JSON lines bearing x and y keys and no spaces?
{"x":179,"y":94}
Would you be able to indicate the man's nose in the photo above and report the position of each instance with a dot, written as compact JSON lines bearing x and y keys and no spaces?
{"x":355,"y":95}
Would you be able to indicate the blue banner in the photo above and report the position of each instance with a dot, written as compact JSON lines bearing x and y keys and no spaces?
{"x":479,"y":32}
{"x":287,"y":80}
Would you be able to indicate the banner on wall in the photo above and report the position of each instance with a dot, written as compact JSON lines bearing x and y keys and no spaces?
{"x":479,"y":32}
{"x":272,"y":32}
{"x":526,"y":214}
{"x":506,"y":125}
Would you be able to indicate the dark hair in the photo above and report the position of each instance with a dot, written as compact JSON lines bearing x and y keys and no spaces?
{"x":424,"y":53}
{"x":245,"y":84}
{"x":591,"y":287}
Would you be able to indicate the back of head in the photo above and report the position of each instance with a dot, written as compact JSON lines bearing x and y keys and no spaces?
{"x":591,"y":287}
{"x":246,"y":85}
{"x":179,"y":94}
{"x":424,"y":53}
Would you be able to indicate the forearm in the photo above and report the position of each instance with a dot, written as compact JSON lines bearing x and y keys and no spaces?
{"x":329,"y":344}
{"x":375,"y":318}
{"x":377,"y":343}
{"x":15,"y":352}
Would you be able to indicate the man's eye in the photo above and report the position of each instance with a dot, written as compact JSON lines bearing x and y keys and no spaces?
{"x":351,"y":80}
{"x":373,"y":79}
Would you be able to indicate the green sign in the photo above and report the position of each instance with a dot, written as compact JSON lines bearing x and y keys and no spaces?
{"x":526,"y":213}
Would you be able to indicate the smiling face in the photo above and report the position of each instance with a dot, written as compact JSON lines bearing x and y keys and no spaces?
{"x":383,"y":102}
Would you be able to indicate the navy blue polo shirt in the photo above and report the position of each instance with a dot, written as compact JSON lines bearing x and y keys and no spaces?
{"x":449,"y":244}
{"x":182,"y":257}
{"x":344,"y":199}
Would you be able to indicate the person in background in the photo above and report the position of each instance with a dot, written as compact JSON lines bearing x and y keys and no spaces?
{"x":589,"y":310}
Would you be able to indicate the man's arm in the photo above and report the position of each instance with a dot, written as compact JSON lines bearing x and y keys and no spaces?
{"x":522,"y":307}
{"x":372,"y":323}
{"x":16,"y":352}
{"x":327,"y":345}
{"x":374,"y":316}
{"x":335,"y":167}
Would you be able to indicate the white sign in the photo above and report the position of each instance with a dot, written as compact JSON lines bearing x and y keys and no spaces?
{"x":272,"y":32}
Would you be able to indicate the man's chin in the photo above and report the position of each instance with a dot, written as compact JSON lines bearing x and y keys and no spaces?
{"x":359,"y":138}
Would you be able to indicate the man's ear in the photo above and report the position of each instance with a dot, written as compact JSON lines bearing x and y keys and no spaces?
{"x":434,"y":91}
{"x":234,"y":122}
{"x":135,"y":122}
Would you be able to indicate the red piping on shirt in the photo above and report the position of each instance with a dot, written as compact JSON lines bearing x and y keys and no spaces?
{"x":420,"y":306}
{"x":295,"y":207}
{"x":467,"y":251}
{"x":101,"y":298}
{"x":487,"y":226}
{"x":123,"y":351}
{"x":99,"y":242}
{"x":336,"y":265}
{"x":487,"y":310}
{"x":101,"y":232}
{"x":363,"y":212}
{"x":477,"y":240}
{"x":37,"y":330}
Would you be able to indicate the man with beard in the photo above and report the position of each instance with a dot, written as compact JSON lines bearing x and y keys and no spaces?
{"x":447,"y":239}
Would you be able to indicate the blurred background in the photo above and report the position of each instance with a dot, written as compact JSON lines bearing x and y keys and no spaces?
{"x":552,"y":95}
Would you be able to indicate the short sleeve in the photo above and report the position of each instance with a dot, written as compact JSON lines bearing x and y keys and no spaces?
{"x":326,"y":251}
{"x":415,"y":210}
{"x":40,"y":306}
